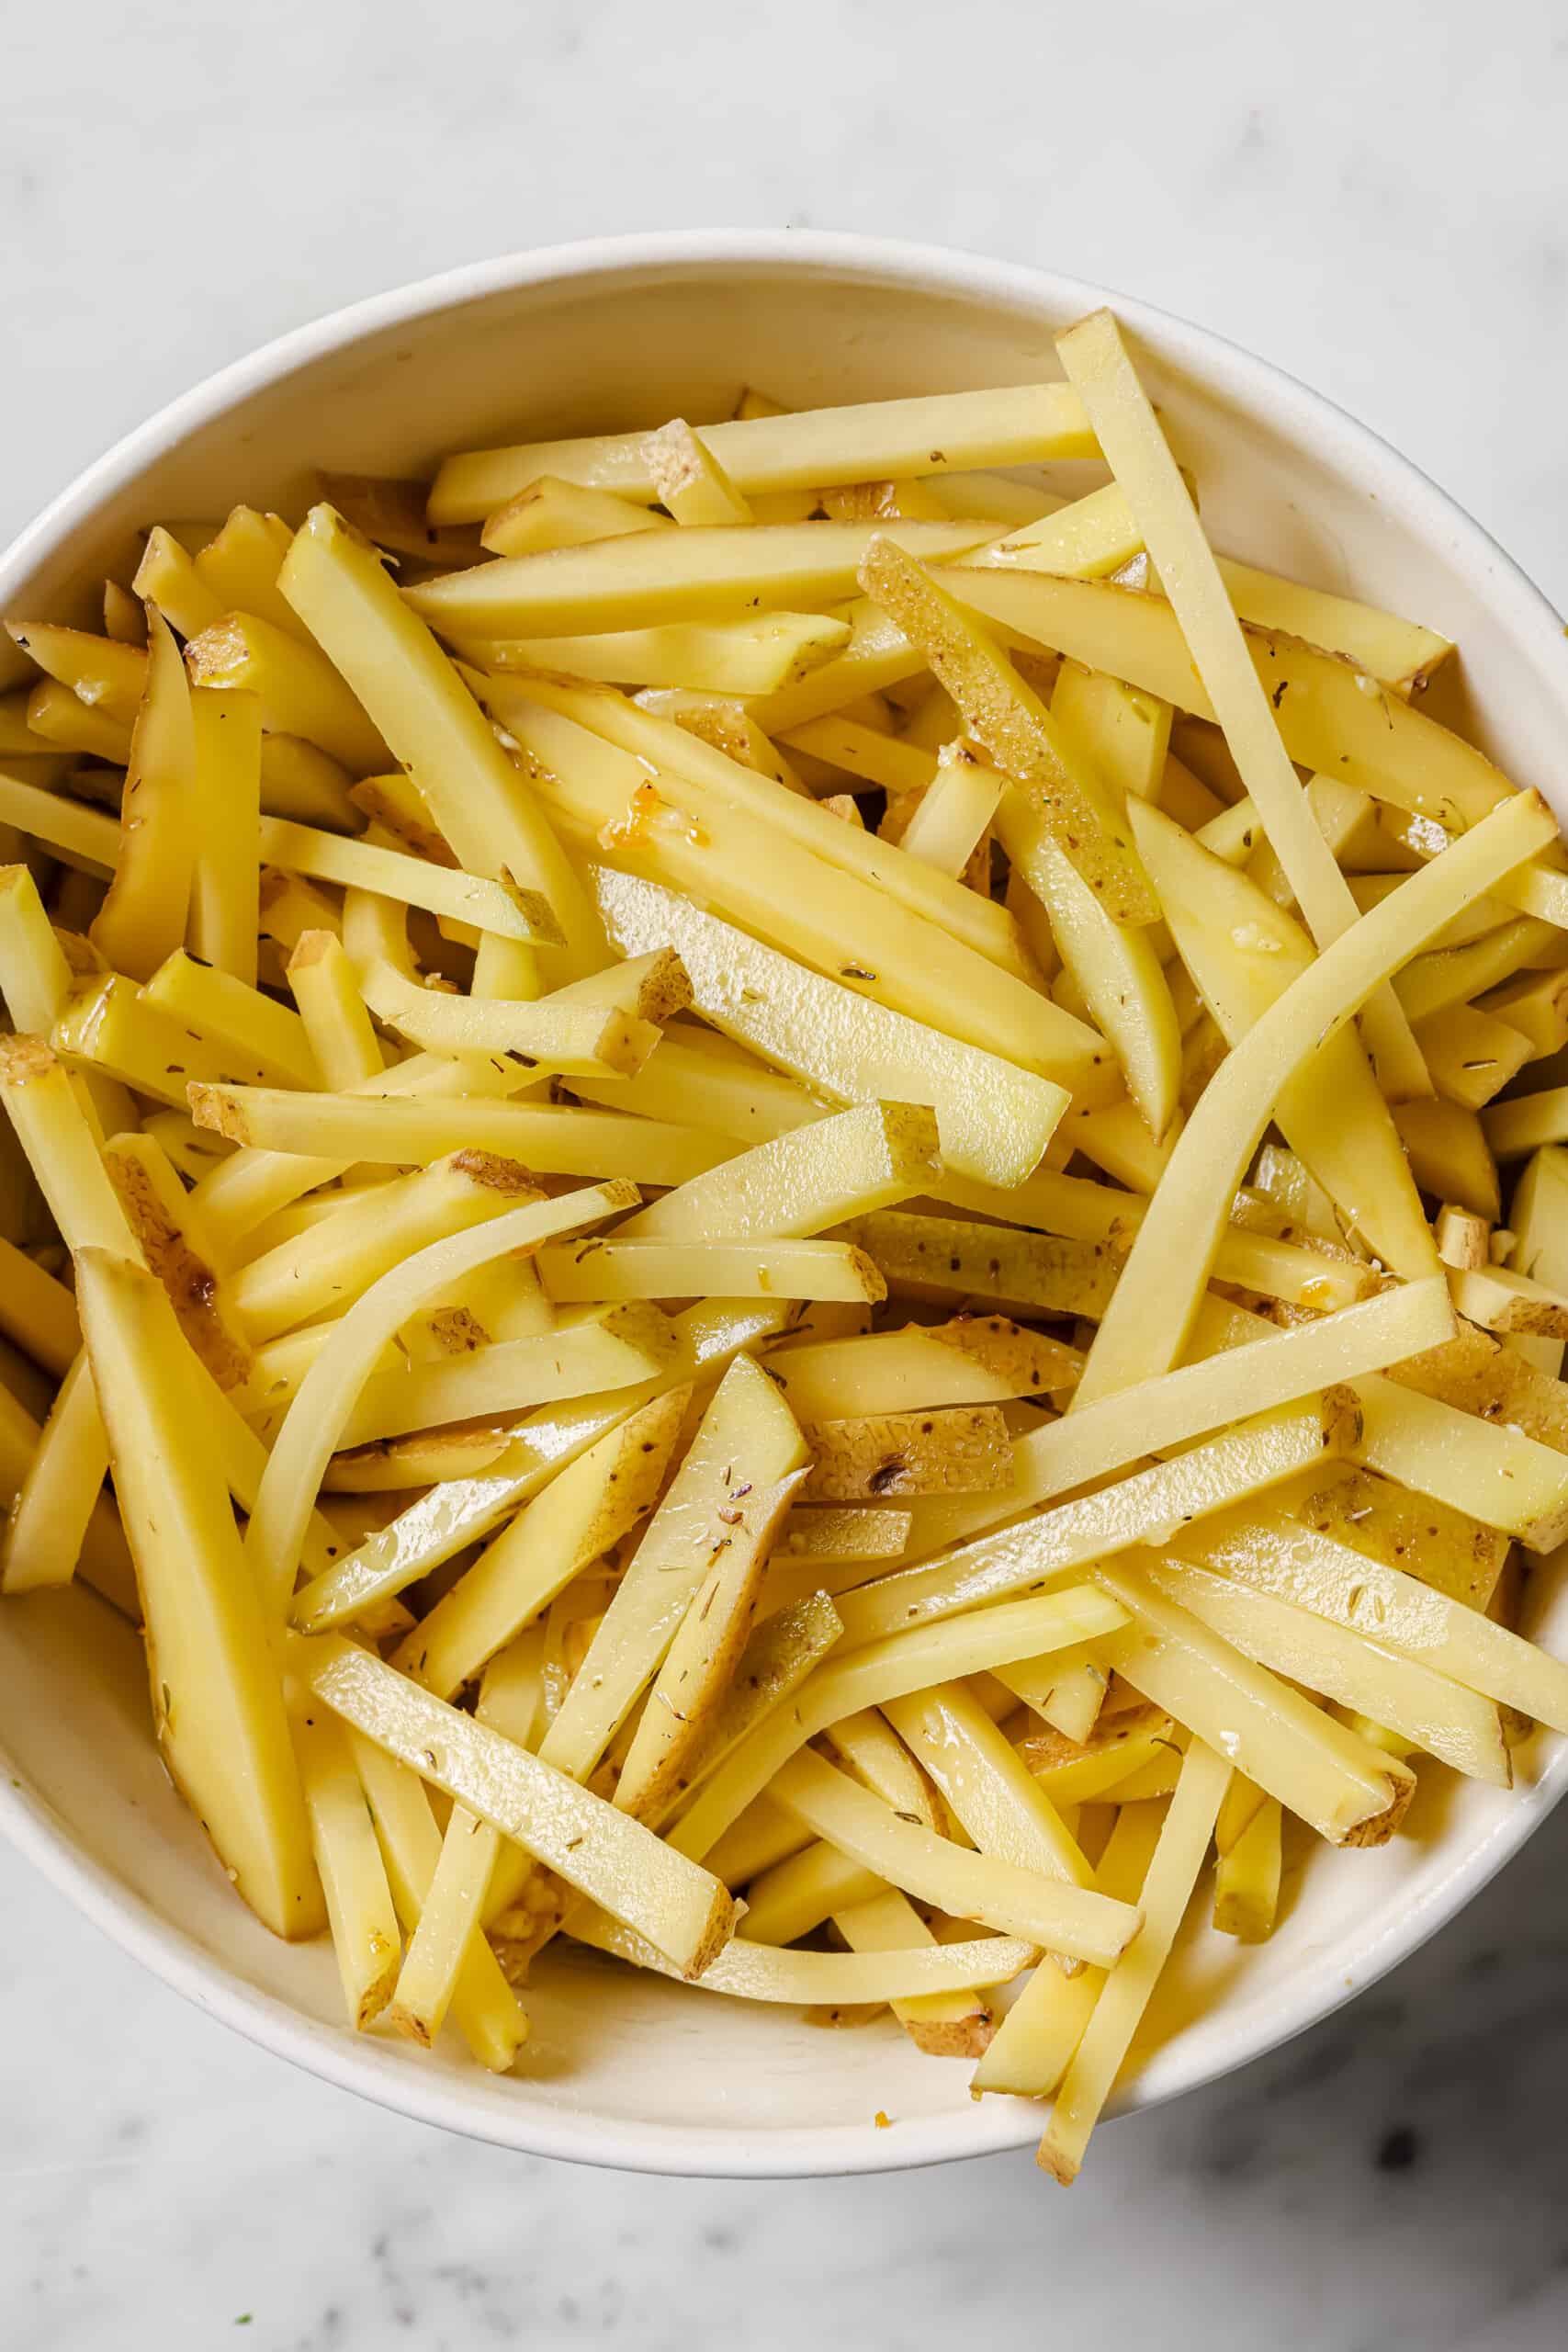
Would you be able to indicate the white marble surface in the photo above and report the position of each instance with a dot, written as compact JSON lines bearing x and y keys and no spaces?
{"x":1377,"y":198}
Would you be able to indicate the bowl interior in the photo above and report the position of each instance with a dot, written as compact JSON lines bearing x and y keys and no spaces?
{"x":624,"y":2069}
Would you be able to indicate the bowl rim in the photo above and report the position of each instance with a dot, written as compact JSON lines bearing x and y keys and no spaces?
{"x":543,"y":2129}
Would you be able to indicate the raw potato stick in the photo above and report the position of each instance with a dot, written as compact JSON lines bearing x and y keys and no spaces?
{"x":432,"y":1529}
{"x":341,"y":592}
{"x":872,"y":441}
{"x":1148,"y":1320}
{"x":750,"y":1971}
{"x":1097,"y":363}
{"x":1178,"y":1858}
{"x":326,"y":1397}
{"x":217,"y":1689}
{"x":680,"y":1908}
{"x":994,"y":1119}
{"x":1015,"y":1901}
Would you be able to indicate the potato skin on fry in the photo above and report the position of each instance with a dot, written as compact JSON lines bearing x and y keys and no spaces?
{"x":962,"y":1449}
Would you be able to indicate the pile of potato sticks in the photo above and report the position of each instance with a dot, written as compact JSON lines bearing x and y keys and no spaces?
{"x":769,"y":1171}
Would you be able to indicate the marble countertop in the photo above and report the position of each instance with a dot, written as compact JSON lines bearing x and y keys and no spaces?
{"x":1369,"y":196}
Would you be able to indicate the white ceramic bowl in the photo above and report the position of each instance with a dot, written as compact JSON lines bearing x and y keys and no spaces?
{"x":623,"y":2070}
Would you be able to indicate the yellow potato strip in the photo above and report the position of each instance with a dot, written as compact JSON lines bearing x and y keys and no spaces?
{"x":217,"y":1693}
{"x":1269,"y":1553}
{"x":680,"y":1908}
{"x":580,"y":1271}
{"x":1147,"y":1321}
{"x":327,"y":1394}
{"x":870,"y":441}
{"x":1035,"y":2040}
{"x":1015,"y":1900}
{"x":993,"y":1118}
{"x":701,"y":779}
{"x":1178,"y":1858}
{"x":793,"y":1187}
{"x":887,"y":1670}
{"x":1002,"y":711}
{"x":1148,"y":1506}
{"x":1316,"y":1765}
{"x":752,"y":1972}
{"x":353,"y":1878}
{"x":1437,"y":1715}
{"x":326,"y":1134}
{"x":483,"y":2005}
{"x":440,"y":1524}
{"x":586,"y":1510}
{"x":341,"y":590}
{"x":1096,"y":360}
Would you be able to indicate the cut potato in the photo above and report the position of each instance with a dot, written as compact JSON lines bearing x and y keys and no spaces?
{"x":1178,"y":1858}
{"x":803,"y":1182}
{"x":551,"y":513}
{"x":741,"y":657}
{"x":798,"y":1894}
{"x":483,"y":2005}
{"x":332,"y":1132}
{"x":217,"y":1689}
{"x":437,"y":1527}
{"x":1013,"y":1899}
{"x":615,"y":1347}
{"x":748,"y":1440}
{"x":944,"y":1258}
{"x":1450,"y":1153}
{"x":875,"y":1754}
{"x":583,"y":1514}
{"x":877,"y":440}
{"x":1054,"y":1409}
{"x":984,"y":1783}
{"x":974,"y":1360}
{"x":1146,"y":1507}
{"x":1116,"y":969}
{"x":1535,"y":1219}
{"x":950,"y":826}
{"x":171,"y":1236}
{"x":594,"y":1040}
{"x":144,"y":918}
{"x":750,"y":1972}
{"x":959,"y":1450}
{"x":241,"y":565}
{"x":685,"y":1082}
{"x":1148,"y":1320}
{"x":233,"y":1013}
{"x":883,"y":1670}
{"x":1005,"y":715}
{"x":704,"y":781}
{"x":680,"y":1908}
{"x":1097,"y":362}
{"x":994,"y":1119}
{"x":712,"y":574}
{"x":784,"y":1650}
{"x":1034,"y":2043}
{"x":1243,"y":953}
{"x":225,"y":902}
{"x":315,"y":1419}
{"x":704,"y":1658}
{"x":299,"y":690}
{"x":353,"y":1878}
{"x":1334,"y":1780}
{"x":1463,"y":1730}
{"x":612,"y":1270}
{"x":341,"y":591}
